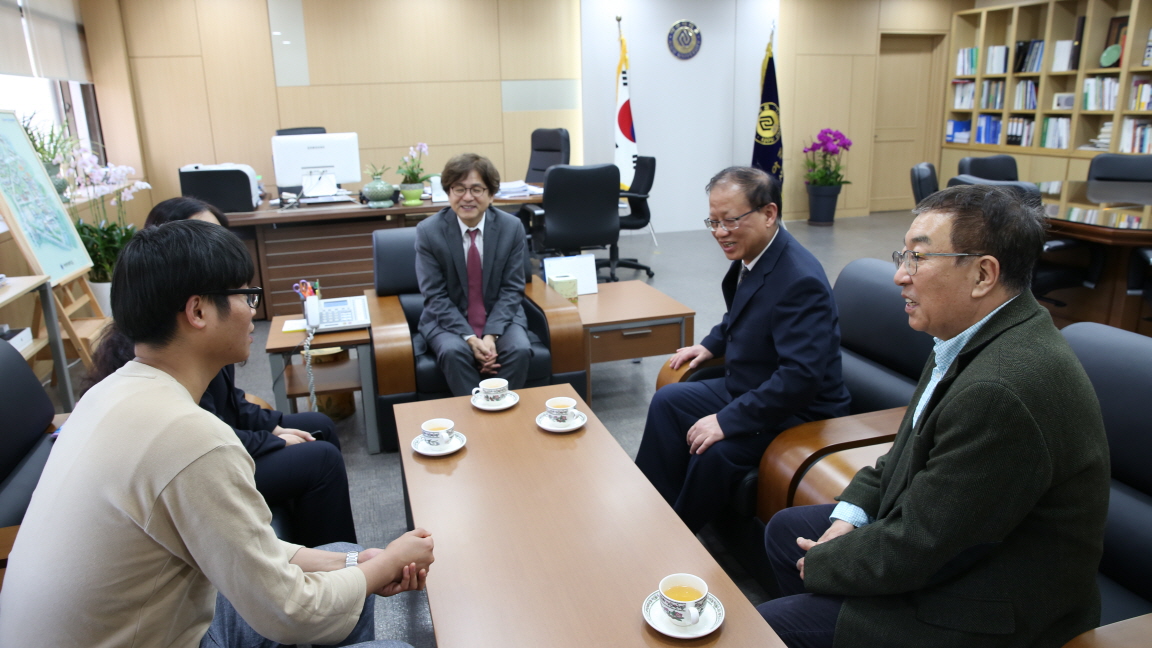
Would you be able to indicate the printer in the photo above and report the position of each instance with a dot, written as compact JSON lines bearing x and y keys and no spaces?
{"x":230,"y":187}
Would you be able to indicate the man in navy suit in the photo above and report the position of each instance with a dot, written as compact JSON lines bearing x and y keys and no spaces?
{"x":780,"y":340}
{"x":470,"y":265}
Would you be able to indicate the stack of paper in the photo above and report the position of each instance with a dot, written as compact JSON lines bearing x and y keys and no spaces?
{"x":517,"y":189}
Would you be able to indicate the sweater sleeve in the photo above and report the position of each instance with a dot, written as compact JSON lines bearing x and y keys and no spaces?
{"x":211,"y":516}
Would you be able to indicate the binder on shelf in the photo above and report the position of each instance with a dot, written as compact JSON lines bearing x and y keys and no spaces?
{"x":1074,"y":59}
{"x":1062,"y":56}
{"x":959,"y":131}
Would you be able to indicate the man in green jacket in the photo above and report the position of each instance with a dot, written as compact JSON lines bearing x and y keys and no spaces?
{"x":984,"y":524}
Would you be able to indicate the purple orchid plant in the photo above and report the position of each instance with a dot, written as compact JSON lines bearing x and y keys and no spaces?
{"x":824,"y":158}
{"x":412,"y":165}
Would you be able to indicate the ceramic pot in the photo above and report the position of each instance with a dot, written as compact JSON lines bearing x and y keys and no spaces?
{"x":412,"y":193}
{"x":378,"y":193}
{"x":822,"y":204}
{"x":58,"y":183}
{"x":103,"y":292}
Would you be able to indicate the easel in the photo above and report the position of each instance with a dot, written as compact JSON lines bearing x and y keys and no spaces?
{"x":80,"y":333}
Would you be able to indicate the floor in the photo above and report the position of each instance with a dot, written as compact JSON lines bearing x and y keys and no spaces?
{"x":688,"y":267}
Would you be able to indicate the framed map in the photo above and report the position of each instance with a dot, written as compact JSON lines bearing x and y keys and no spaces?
{"x":33,"y":211}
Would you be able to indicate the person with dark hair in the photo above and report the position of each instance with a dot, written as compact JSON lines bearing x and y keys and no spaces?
{"x":160,"y":494}
{"x":307,"y":478}
{"x":470,"y":265}
{"x":780,"y":341}
{"x":983,"y":526}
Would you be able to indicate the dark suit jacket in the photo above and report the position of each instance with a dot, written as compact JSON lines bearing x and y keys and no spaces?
{"x":989,"y":513}
{"x":781,"y":342}
{"x":442,"y":271}
{"x":252,"y":423}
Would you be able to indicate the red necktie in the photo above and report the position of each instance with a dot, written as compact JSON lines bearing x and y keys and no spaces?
{"x":476,"y":315}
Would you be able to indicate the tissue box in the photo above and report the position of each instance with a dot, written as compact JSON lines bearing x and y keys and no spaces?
{"x":566,"y":286}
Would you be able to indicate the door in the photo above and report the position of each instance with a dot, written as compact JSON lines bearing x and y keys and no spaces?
{"x":908,"y":113}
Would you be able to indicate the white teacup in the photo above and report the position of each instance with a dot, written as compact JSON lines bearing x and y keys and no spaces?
{"x":560,"y":409}
{"x":494,"y":389}
{"x":680,"y":610}
{"x":437,"y":432}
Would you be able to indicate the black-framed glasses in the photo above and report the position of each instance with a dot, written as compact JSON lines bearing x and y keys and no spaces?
{"x":477,"y":191}
{"x":728,"y":224}
{"x":253,"y":295}
{"x":911,"y":259}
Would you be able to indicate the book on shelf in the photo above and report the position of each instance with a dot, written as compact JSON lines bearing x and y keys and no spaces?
{"x":1034,"y":56}
{"x":1055,"y":133}
{"x":964,"y":94}
{"x":1025,"y":98}
{"x":966,"y":58}
{"x":1102,"y":141}
{"x":1148,"y":51}
{"x":1062,"y":56}
{"x":1100,"y":93}
{"x":1074,"y":59}
{"x":1020,"y":130}
{"x":1140,"y":98}
{"x":997,"y":60}
{"x":988,"y":129}
{"x":959,"y":131}
{"x":1106,"y":218}
{"x":1136,"y":135}
{"x":992,"y":94}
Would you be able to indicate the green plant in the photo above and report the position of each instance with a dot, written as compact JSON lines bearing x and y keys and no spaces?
{"x":375,"y":171}
{"x":412,"y":165}
{"x":51,"y":144}
{"x":104,"y":242}
{"x":824,"y":159}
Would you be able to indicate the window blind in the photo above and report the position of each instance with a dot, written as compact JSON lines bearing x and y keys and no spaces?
{"x":13,"y":47}
{"x":58,"y":47}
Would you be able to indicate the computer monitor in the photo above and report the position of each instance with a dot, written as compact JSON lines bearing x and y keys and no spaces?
{"x":311,"y":161}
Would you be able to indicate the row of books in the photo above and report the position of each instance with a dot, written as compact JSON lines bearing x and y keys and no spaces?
{"x":1020,"y":130}
{"x":1029,"y":56}
{"x":1025,"y":95}
{"x":987,"y":129}
{"x":1141,"y":95}
{"x":1100,"y":93}
{"x":1107,"y":218}
{"x":1136,"y":136}
{"x":992,"y":95}
{"x":964,"y":92}
{"x":959,"y":131}
{"x":997,"y":60}
{"x":966,"y":59}
{"x":1103,"y":141}
{"x":1056,"y":132}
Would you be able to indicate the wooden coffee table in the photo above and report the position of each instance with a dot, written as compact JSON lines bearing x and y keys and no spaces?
{"x":551,"y":539}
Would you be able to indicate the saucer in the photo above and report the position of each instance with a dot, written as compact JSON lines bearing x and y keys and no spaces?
{"x":504,"y":403}
{"x":455,"y":443}
{"x":577,"y":422}
{"x":710,"y":618}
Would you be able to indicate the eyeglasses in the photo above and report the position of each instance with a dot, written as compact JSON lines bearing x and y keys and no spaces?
{"x":253,"y":295}
{"x":911,"y":260}
{"x":728,"y":224}
{"x":477,"y":191}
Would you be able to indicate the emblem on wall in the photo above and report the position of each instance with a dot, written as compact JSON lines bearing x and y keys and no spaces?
{"x":684,"y":40}
{"x":768,"y":124}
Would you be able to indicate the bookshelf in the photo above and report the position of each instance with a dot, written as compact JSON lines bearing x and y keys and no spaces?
{"x":1023,"y":53}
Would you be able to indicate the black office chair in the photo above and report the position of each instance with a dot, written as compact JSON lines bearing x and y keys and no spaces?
{"x":300,"y":130}
{"x":1139,"y":281}
{"x":1123,"y":168}
{"x":1119,"y":364}
{"x":550,"y":146}
{"x":1028,"y":191}
{"x":924,"y":182}
{"x":993,"y":167}
{"x":640,"y":216}
{"x":580,"y":210}
{"x":406,"y":367}
{"x":24,"y":447}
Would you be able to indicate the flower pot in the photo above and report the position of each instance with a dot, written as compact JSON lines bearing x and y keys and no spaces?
{"x":103,"y":293}
{"x":412,"y":193}
{"x":378,"y":193}
{"x":58,"y":183}
{"x":822,"y":204}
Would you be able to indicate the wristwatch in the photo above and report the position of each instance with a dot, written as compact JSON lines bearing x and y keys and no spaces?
{"x":351,"y":559}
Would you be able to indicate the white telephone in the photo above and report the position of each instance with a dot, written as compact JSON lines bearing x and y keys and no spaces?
{"x":336,"y":314}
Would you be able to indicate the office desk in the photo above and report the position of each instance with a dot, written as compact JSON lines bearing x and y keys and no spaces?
{"x":332,"y":243}
{"x":18,"y":287}
{"x":290,"y":381}
{"x":551,"y":539}
{"x":630,"y":319}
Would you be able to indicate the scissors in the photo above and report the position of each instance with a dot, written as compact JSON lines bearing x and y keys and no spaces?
{"x":303,"y":288}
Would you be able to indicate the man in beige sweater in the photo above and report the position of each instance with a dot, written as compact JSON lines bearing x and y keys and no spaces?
{"x":147,"y":506}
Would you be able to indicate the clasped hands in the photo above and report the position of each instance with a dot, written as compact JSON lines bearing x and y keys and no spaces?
{"x":484,"y":350}
{"x":838,"y":528}
{"x":413,"y":550}
{"x":292,"y":436}
{"x":707,"y":430}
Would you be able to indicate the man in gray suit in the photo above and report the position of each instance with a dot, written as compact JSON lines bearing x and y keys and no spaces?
{"x":983,"y":526}
{"x":470,"y":265}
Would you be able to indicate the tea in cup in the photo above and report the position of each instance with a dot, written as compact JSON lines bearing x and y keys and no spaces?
{"x":560,"y":409}
{"x":493,"y":389}
{"x":437,"y":432}
{"x":682,"y":597}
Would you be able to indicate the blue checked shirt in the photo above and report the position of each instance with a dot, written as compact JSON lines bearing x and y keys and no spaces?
{"x":946,"y":352}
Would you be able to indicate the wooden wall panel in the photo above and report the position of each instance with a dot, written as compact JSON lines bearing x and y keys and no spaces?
{"x":375,"y":41}
{"x":916,"y":16}
{"x":539,"y":40}
{"x":949,"y":164}
{"x":166,"y":28}
{"x":830,"y":27}
{"x":241,"y":97}
{"x":174,"y":119}
{"x":518,"y":127}
{"x":400,"y":115}
{"x":861,"y":126}
{"x":1078,"y":169}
